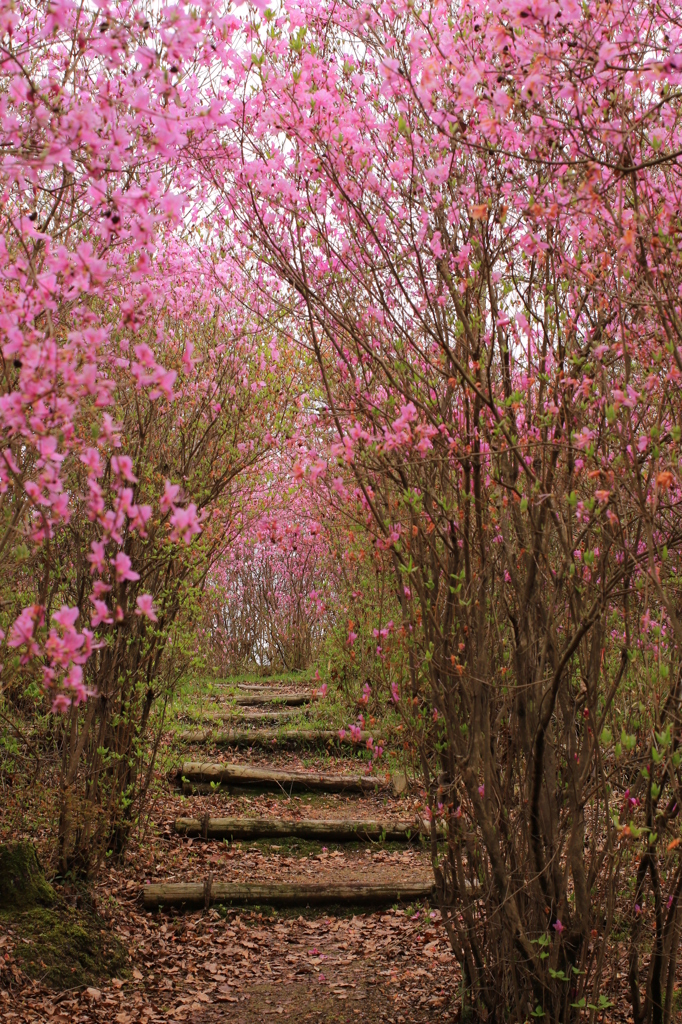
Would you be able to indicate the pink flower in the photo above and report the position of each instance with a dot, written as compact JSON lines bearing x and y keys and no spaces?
{"x":557,"y":926}
{"x":122,"y":566}
{"x":395,"y":695}
{"x":97,"y":558}
{"x":342,"y":734}
{"x":22,"y":631}
{"x":122,"y":465}
{"x":318,"y":468}
{"x":74,"y":681}
{"x":101,"y":613}
{"x":185,"y":523}
{"x":92,"y":460}
{"x":481,"y":791}
{"x":61,"y":703}
{"x":145,"y":607}
{"x":170,"y":496}
{"x":66,"y":617}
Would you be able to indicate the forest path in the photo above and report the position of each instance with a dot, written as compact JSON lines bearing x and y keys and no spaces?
{"x":318,"y":965}
{"x":322,"y":964}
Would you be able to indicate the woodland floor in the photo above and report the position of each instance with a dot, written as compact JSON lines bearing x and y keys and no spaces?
{"x":246,"y":966}
{"x":323,"y":965}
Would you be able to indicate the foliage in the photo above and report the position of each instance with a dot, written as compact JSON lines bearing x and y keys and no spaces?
{"x":466,"y":217}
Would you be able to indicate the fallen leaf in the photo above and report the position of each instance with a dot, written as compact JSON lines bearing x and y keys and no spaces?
{"x":137,"y":974}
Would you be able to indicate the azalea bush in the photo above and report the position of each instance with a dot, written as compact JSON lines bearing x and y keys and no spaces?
{"x":474,"y":210}
{"x":137,"y":397}
{"x":267,"y":596}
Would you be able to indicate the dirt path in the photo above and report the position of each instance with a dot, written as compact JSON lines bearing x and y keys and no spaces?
{"x":329,"y":964}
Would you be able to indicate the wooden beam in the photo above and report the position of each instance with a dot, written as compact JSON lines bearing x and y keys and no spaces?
{"x":282,"y":894}
{"x":348,"y":830}
{"x":243,"y":775}
{"x":269,"y":737}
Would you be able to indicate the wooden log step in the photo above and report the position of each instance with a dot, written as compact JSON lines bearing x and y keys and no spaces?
{"x":335,"y":831}
{"x":269,"y":737}
{"x":290,"y":700}
{"x":248,"y":684}
{"x":270,"y":687}
{"x":281,"y":894}
{"x":241,"y":716}
{"x":242,"y":775}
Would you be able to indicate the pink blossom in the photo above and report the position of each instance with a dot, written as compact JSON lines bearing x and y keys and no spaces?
{"x":122,"y":567}
{"x":185,"y":523}
{"x":101,"y":614}
{"x":66,"y":616}
{"x":97,"y":556}
{"x":145,"y":607}
{"x":61,"y":703}
{"x":170,"y":496}
{"x":21,"y":632}
{"x":122,"y":465}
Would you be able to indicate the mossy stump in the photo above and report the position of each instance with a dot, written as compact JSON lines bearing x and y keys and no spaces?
{"x":59,"y":945}
{"x":22,"y":882}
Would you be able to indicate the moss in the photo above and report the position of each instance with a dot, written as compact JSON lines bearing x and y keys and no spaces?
{"x":58,"y":944}
{"x":22,"y":882}
{"x":64,"y":947}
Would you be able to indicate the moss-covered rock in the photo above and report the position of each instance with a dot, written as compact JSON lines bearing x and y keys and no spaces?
{"x":22,"y":882}
{"x":65,"y":947}
{"x":61,"y":945}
